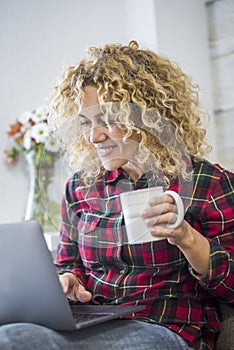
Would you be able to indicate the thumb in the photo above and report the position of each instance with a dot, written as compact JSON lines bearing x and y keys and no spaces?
{"x":83,"y":295}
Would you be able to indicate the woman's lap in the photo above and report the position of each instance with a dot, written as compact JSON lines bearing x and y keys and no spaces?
{"x":113,"y":335}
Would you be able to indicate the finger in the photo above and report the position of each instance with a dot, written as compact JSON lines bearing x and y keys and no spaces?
{"x":158,"y":210}
{"x":161,"y":232}
{"x":83,"y":296}
{"x":161,"y":199}
{"x":164,"y":219}
{"x":69,"y":285}
{"x":73,"y":289}
{"x":174,"y":236}
{"x":79,"y":293}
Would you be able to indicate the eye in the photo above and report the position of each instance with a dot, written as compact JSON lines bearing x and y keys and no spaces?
{"x":85,"y":123}
{"x":111,"y":120}
{"x":106,"y":120}
{"x":100,"y":119}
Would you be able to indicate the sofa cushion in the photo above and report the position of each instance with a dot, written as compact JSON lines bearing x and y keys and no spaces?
{"x":226,"y":336}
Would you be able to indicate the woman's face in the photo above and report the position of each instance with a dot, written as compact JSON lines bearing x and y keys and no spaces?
{"x":107,"y":140}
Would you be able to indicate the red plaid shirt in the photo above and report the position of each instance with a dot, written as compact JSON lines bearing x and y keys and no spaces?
{"x":155,"y":274}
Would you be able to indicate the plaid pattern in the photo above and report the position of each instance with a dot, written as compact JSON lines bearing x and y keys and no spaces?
{"x":155,"y":274}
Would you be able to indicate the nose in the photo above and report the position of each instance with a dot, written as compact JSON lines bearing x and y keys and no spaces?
{"x":97,"y":134}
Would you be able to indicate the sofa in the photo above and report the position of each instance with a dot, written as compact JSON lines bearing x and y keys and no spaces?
{"x":226,"y":336}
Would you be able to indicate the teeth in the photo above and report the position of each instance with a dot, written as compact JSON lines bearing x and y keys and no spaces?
{"x":105,"y":150}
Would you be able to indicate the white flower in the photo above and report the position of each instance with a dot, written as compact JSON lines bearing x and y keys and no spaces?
{"x":42,"y":110}
{"x":52,"y":145}
{"x":39,"y":115}
{"x":40,"y":132}
{"x":25,"y":127}
{"x":25,"y":117}
{"x":27,"y":140}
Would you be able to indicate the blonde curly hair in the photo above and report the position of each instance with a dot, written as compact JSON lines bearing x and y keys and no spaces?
{"x":128,"y":78}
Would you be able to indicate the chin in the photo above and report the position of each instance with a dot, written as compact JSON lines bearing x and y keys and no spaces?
{"x":113,"y":165}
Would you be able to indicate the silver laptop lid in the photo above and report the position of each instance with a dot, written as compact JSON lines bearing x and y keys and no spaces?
{"x":30,"y":290}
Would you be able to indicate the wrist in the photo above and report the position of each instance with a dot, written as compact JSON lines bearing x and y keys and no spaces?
{"x":196,"y":249}
{"x":189,"y":238}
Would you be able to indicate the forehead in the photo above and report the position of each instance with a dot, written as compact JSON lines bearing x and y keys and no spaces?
{"x":91,"y":112}
{"x":90,"y":97}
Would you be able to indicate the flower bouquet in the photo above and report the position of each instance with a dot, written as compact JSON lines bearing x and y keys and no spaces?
{"x":31,"y":142}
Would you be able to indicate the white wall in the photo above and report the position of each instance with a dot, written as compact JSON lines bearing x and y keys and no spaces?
{"x":182,"y":35}
{"x":39,"y":37}
{"x":221,"y":35}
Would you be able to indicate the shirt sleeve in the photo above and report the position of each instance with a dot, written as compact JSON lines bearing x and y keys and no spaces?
{"x":68,"y":257}
{"x":218,"y":226}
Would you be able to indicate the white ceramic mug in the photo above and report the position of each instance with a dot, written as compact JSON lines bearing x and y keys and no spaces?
{"x":133,"y":202}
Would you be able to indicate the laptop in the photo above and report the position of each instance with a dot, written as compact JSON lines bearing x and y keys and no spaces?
{"x":30,"y":290}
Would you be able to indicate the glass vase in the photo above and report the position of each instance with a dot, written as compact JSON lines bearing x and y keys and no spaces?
{"x":40,"y":206}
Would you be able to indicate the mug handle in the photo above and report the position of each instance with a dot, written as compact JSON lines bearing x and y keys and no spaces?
{"x":180,"y":208}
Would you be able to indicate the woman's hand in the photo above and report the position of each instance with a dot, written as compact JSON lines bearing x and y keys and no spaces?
{"x":195,"y":247}
{"x":161,"y":212}
{"x":73,"y":288}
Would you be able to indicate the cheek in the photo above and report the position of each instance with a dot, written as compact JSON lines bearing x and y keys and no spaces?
{"x":116,"y":133}
{"x":86,"y":136}
{"x":129,"y":148}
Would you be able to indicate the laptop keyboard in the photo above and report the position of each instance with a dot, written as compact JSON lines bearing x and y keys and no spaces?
{"x":78,"y":317}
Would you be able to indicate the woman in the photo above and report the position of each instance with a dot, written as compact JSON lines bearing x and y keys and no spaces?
{"x":131,"y":119}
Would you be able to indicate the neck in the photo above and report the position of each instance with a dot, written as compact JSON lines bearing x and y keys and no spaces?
{"x":133,"y":170}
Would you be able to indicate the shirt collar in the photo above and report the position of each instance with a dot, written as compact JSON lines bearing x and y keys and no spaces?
{"x":113,"y":175}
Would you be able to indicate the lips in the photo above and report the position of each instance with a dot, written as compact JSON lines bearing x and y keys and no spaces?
{"x":105,"y":151}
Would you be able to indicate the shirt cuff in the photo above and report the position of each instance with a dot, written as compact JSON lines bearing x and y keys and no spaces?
{"x":219,"y":267}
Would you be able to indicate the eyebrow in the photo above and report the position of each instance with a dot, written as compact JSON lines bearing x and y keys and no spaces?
{"x":94,"y":116}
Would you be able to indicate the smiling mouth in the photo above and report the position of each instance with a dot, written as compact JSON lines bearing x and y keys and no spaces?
{"x":105,"y":151}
